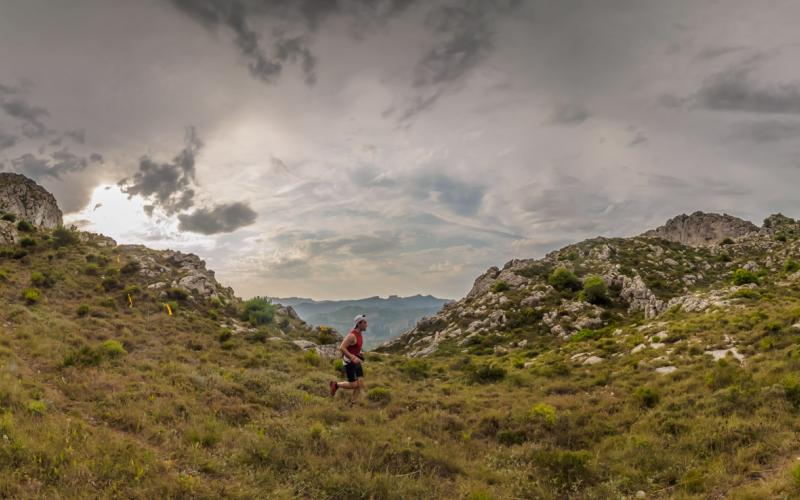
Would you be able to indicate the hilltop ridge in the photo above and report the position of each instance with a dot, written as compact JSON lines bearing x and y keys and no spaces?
{"x":680,"y":264}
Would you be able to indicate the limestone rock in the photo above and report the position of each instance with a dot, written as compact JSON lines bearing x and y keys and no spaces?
{"x":29,"y":201}
{"x":702,"y":229}
{"x":8,"y":233}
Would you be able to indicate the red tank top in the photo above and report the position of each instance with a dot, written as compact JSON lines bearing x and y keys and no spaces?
{"x":355,"y":349}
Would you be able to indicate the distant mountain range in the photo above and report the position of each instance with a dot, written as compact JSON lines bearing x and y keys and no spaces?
{"x":387,"y":317}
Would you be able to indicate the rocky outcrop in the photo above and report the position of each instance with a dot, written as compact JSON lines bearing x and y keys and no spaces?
{"x":8,"y":233}
{"x":28,"y":201}
{"x":702,"y":229}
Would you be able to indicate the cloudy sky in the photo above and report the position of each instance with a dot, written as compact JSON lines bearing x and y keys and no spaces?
{"x":340,"y":149}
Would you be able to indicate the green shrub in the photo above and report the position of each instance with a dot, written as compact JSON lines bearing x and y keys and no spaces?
{"x":743,"y":277}
{"x":206,"y":434}
{"x":585,"y":334}
{"x":796,"y":475}
{"x":565,"y":280}
{"x":379,"y":395}
{"x":416,"y":369}
{"x":92,"y":269}
{"x":723,"y":257}
{"x":25,"y":226}
{"x":85,"y":356}
{"x":312,"y":357}
{"x":131,"y":267}
{"x":726,"y":241}
{"x":224,"y":335}
{"x":791,"y":388}
{"x":19,"y":254}
{"x":646,"y":397}
{"x":64,"y":237}
{"x":499,"y":286}
{"x":32,"y":295}
{"x":37,"y":407}
{"x":42,"y":279}
{"x":82,"y":310}
{"x":111,"y":283}
{"x":544,"y":413}
{"x":791,"y":266}
{"x":176,"y":293}
{"x":9,"y":217}
{"x":258,"y":311}
{"x":112,"y":348}
{"x":595,"y":291}
{"x":486,"y":374}
{"x":27,"y":242}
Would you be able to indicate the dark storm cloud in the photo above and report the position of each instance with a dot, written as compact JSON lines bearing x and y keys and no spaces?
{"x":223,"y":218}
{"x":30,"y":115}
{"x":569,"y":114}
{"x":735,"y":90}
{"x":168,"y":185}
{"x":463,"y":32}
{"x":60,"y":163}
{"x":7,"y":140}
{"x":78,"y":136}
{"x":766,"y":131}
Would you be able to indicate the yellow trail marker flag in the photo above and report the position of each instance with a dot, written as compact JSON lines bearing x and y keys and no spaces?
{"x":169,"y":309}
{"x":130,"y":301}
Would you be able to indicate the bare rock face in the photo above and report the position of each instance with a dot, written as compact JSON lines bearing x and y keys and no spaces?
{"x":702,"y":229}
{"x":28,"y":201}
{"x":8,"y":233}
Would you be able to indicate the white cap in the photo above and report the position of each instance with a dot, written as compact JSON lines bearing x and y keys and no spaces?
{"x":359,"y":318}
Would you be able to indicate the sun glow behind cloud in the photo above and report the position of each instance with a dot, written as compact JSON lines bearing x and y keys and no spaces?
{"x":112,"y":213}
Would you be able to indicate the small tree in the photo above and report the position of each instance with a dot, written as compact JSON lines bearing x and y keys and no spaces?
{"x":564,"y":279}
{"x":595,"y":291}
{"x":743,"y":277}
{"x":63,"y":237}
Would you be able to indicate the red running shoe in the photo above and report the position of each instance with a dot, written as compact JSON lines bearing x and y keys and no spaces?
{"x":334,"y":387}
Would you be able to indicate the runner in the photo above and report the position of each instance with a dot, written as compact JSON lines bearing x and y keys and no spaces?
{"x":353,"y":360}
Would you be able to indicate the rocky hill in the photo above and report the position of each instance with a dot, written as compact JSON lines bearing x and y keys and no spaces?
{"x":28,"y":201}
{"x":702,"y":229}
{"x":687,"y":264}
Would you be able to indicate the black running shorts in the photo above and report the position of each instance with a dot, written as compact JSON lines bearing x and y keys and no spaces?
{"x":353,"y":371}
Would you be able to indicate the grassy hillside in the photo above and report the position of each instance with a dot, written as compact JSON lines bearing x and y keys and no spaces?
{"x":101,"y":399}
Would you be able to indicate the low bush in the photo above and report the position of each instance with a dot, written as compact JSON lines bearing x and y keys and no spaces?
{"x":177,"y":293}
{"x":312,"y":357}
{"x":64,"y":237}
{"x":131,"y":267}
{"x":595,"y":291}
{"x":487,"y":374}
{"x":791,"y":266}
{"x":37,"y":407}
{"x":416,"y":369}
{"x":646,"y":397}
{"x":112,"y":348}
{"x":25,"y":227}
{"x":27,"y":242}
{"x":258,"y":311}
{"x":111,"y":283}
{"x":743,"y":277}
{"x":726,"y":241}
{"x":42,"y":279}
{"x":543,"y":412}
{"x":379,"y":395}
{"x":82,"y":310}
{"x":92,"y":269}
{"x":32,"y":295}
{"x":499,"y":286}
{"x":565,"y":280}
{"x":9,"y":217}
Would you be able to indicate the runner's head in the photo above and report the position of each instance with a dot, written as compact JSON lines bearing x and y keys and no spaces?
{"x":360,"y":322}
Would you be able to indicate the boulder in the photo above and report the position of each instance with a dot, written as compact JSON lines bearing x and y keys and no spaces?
{"x":28,"y":201}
